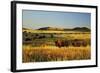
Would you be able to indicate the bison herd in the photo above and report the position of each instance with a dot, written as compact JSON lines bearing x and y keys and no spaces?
{"x":74,"y":43}
{"x":29,"y":38}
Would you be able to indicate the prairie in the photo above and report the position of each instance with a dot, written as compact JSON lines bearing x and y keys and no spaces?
{"x":47,"y":53}
{"x":40,"y":46}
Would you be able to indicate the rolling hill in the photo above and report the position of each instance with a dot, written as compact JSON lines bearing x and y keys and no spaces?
{"x":83,"y":29}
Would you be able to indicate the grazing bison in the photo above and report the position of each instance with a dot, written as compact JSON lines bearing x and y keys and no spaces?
{"x":75,"y":43}
{"x":84,"y":44}
{"x":78,"y":43}
{"x":66,"y":43}
{"x":58,"y":43}
{"x":28,"y":39}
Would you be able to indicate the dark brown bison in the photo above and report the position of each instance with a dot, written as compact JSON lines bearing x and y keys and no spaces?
{"x":58,"y":43}
{"x":84,"y":43}
{"x":66,"y":43}
{"x":78,"y":43}
{"x":75,"y":43}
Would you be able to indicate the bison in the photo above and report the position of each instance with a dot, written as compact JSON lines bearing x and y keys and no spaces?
{"x":58,"y":43}
{"x":78,"y":43}
{"x":84,"y":44}
{"x":75,"y":43}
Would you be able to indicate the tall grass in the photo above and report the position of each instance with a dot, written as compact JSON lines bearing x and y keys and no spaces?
{"x":47,"y":53}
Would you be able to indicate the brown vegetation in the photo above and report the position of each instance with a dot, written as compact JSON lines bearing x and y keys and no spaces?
{"x":45,"y":45}
{"x":44,"y":54}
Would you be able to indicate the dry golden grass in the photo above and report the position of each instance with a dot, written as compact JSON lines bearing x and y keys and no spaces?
{"x":52,"y":31}
{"x":47,"y":53}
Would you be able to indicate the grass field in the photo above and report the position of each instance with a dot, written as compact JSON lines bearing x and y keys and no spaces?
{"x":47,"y":53}
{"x":52,"y":31}
{"x":39,"y":46}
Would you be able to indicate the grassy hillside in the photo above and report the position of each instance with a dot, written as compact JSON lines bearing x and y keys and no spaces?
{"x":39,"y":45}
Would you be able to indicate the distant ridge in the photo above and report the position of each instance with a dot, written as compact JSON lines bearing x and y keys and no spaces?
{"x":50,"y":28}
{"x":65,"y":29}
{"x":82,"y":29}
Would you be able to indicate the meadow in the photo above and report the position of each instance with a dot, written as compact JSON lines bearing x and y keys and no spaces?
{"x":39,"y":46}
{"x":44,"y":54}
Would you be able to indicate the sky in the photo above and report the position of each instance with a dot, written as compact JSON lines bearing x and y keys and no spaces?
{"x":37,"y":19}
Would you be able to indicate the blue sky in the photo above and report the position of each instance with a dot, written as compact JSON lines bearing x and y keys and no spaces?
{"x":37,"y":19}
